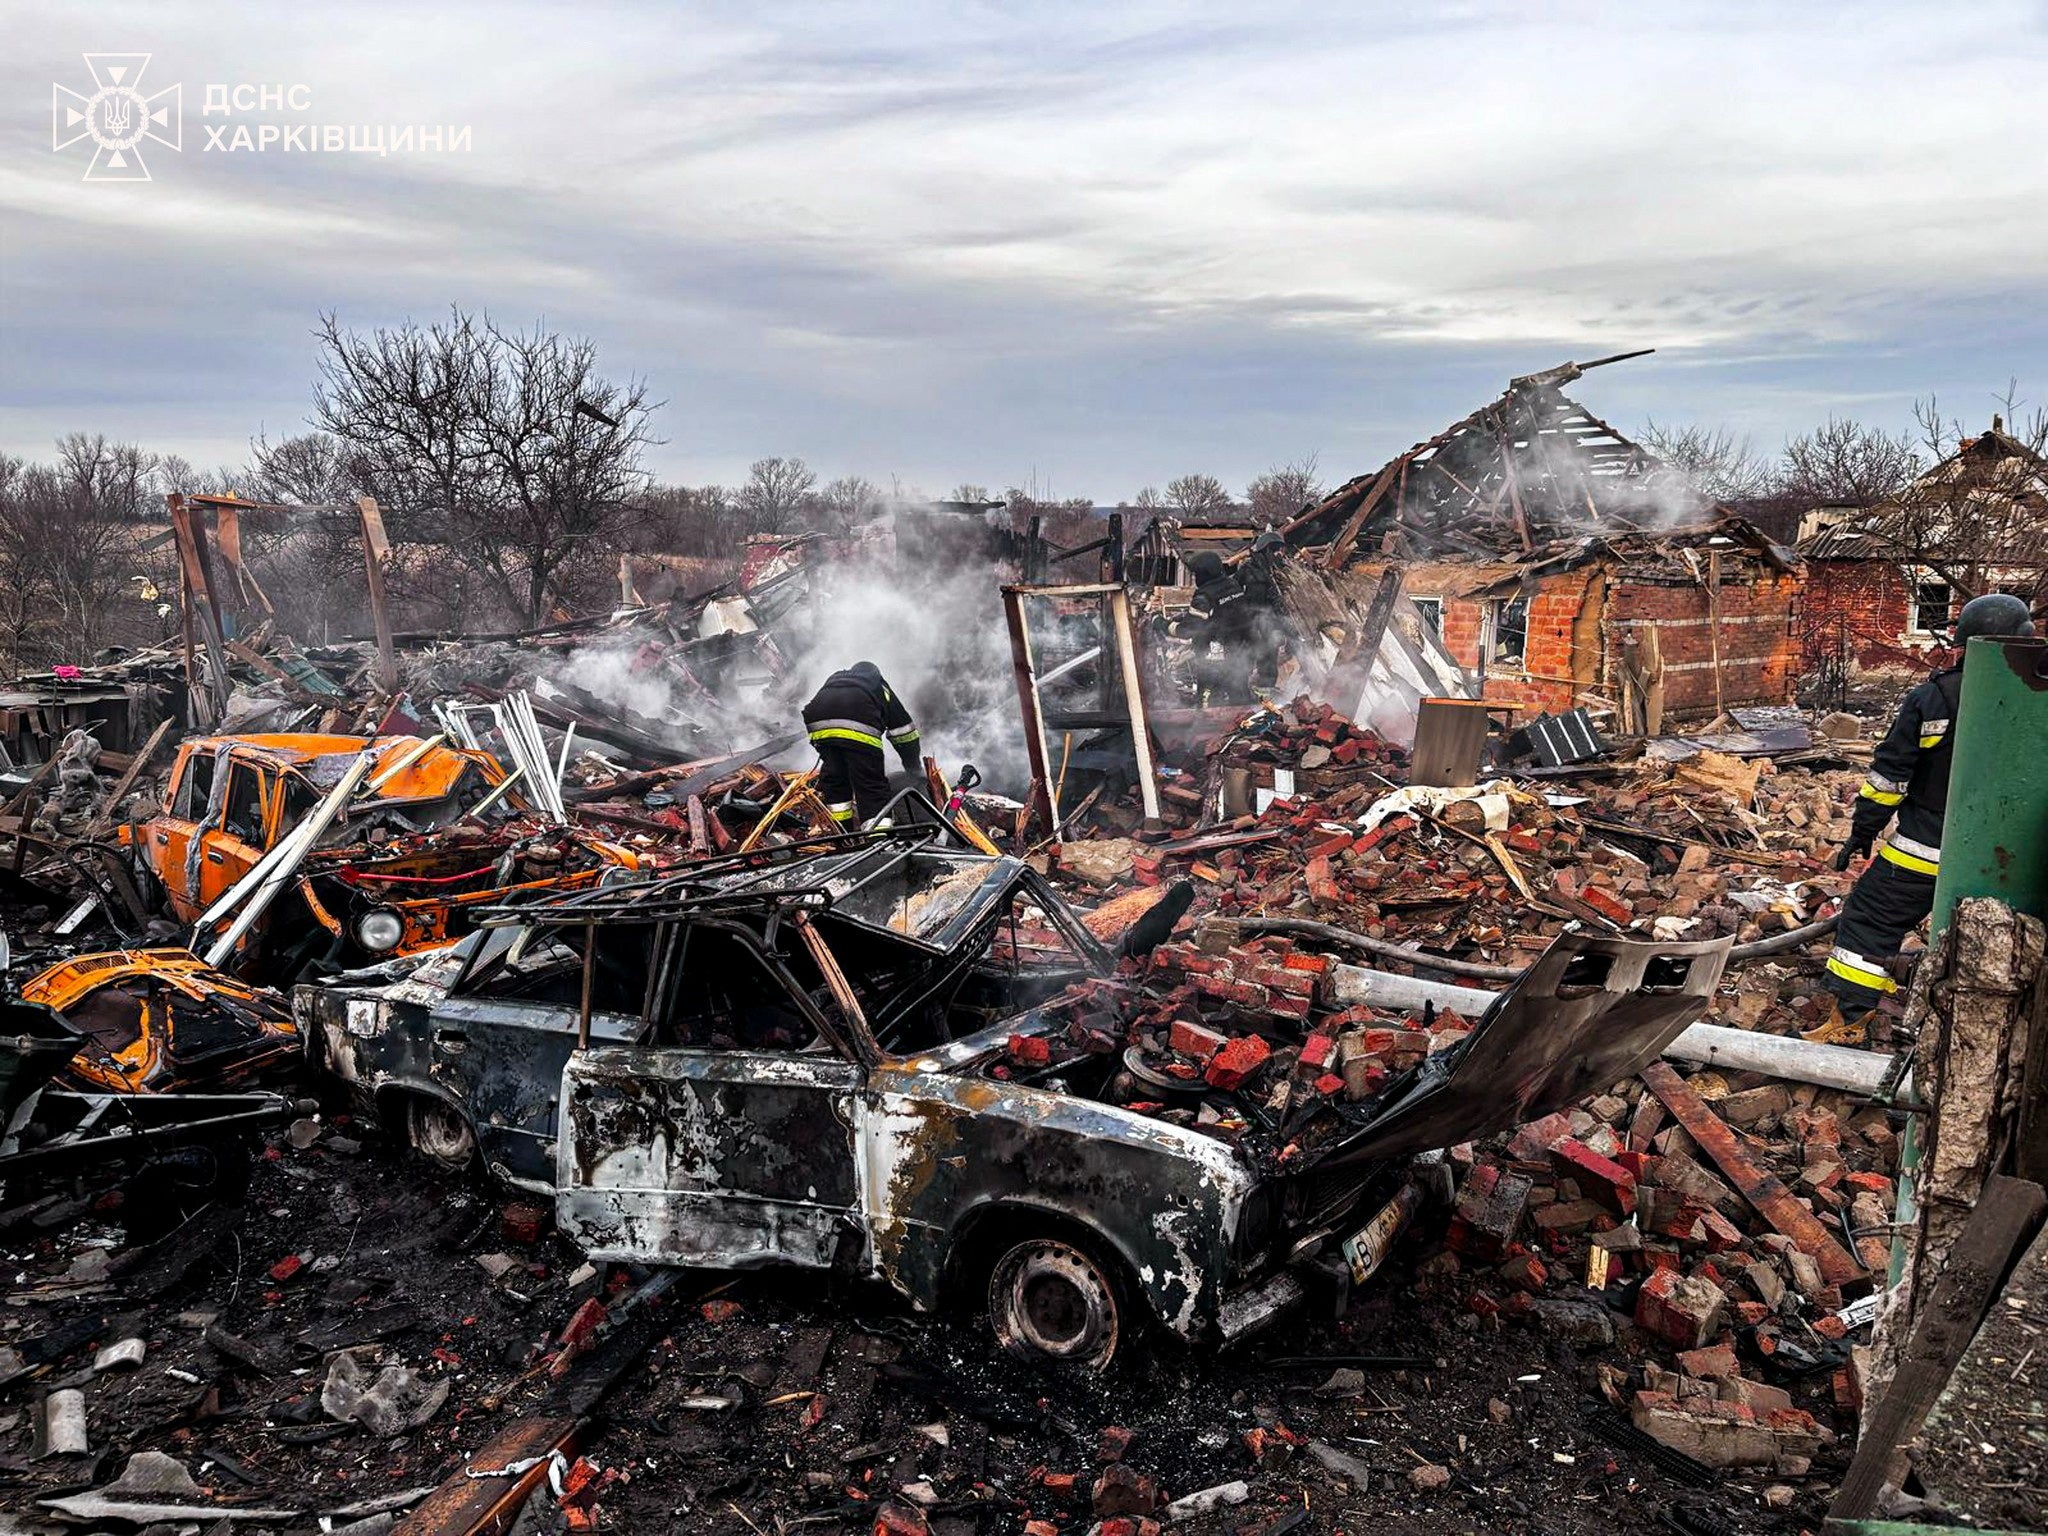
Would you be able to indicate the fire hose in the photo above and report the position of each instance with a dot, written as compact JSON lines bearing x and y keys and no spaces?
{"x":1388,"y":950}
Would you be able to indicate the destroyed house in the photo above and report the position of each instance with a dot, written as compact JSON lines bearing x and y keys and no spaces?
{"x":1562,"y":564}
{"x":1885,"y":581}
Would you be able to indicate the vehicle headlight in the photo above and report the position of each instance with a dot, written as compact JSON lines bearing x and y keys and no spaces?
{"x":379,"y":930}
{"x":1257,"y":1224}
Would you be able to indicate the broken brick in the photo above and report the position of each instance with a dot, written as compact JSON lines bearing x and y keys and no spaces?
{"x":1198,"y":1041}
{"x":1682,"y":1310}
{"x":1599,"y":1177}
{"x":1490,"y":1209}
{"x":1238,"y":1061}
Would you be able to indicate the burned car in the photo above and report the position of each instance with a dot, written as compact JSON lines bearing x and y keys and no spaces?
{"x":809,"y":1059}
{"x":162,"y":1021}
{"x":431,"y":837}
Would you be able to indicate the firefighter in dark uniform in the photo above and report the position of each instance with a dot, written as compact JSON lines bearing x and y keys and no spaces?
{"x":1909,"y":778}
{"x":847,"y":720}
{"x":1233,"y":611}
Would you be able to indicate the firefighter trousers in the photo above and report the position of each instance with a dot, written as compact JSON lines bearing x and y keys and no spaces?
{"x":853,"y":780}
{"x":1886,"y":904}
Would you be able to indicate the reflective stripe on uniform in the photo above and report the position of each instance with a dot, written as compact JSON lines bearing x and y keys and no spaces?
{"x":842,"y":810}
{"x":846,"y":733}
{"x":1853,"y":968}
{"x":905,"y":737}
{"x":1882,"y":796}
{"x":1932,"y":731}
{"x":1907,"y":853}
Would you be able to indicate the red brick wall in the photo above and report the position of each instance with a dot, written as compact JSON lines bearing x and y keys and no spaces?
{"x":1544,"y":681}
{"x":1858,"y":607}
{"x":1758,"y":632}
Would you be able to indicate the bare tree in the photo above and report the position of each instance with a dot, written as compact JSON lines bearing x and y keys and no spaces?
{"x":1721,"y":467}
{"x":1197,"y":495}
{"x":966,"y":491}
{"x":1843,"y":463}
{"x":1979,"y":518}
{"x":1148,"y":499}
{"x":848,"y":502}
{"x":72,"y":576}
{"x":507,"y":449}
{"x":1283,"y":491}
{"x":777,"y":496}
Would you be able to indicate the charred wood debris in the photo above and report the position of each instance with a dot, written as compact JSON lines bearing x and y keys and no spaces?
{"x":260,"y":1312}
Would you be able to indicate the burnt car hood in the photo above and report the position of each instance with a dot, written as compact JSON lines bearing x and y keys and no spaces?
{"x":1589,"y":1013}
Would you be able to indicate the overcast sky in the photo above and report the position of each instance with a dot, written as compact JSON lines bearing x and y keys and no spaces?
{"x":1096,"y":245}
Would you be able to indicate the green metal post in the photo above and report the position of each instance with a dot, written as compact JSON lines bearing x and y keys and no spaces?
{"x":1994,"y":839}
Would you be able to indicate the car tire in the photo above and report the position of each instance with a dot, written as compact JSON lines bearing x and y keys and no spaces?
{"x":440,"y":1133}
{"x":1055,"y":1302}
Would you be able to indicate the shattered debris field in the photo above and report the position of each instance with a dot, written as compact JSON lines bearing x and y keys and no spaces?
{"x":1293,"y":1084}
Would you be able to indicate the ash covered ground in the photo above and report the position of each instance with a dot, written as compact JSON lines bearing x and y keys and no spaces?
{"x":785,"y":1402}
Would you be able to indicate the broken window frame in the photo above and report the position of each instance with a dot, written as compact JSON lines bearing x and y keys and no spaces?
{"x":244,"y":804}
{"x":1490,"y":636}
{"x":186,"y":801}
{"x":1431,"y":611}
{"x":1918,"y":584}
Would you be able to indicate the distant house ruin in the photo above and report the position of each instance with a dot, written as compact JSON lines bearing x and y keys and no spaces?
{"x":1885,"y":581}
{"x":1563,"y":564}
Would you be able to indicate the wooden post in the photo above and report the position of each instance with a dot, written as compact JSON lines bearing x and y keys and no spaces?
{"x":1134,"y":701}
{"x":1041,"y":800}
{"x":200,"y":606}
{"x":1714,"y":622}
{"x":376,"y":551}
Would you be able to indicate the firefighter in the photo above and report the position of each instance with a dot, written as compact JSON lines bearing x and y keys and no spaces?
{"x":1909,"y":777}
{"x":1232,"y":612}
{"x":847,"y":719}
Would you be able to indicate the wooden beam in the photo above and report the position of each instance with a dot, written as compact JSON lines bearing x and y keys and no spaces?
{"x":1765,"y":1191}
{"x":2007,"y":1216}
{"x":376,"y":551}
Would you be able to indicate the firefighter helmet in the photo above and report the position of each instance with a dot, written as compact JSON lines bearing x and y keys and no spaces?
{"x":1995,"y":613}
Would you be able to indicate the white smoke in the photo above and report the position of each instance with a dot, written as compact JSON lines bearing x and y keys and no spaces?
{"x":938,"y":637}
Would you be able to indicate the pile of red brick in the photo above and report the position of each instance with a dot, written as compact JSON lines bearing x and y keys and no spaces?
{"x":1736,"y":1219}
{"x":1254,"y":1017}
{"x":1646,"y":843}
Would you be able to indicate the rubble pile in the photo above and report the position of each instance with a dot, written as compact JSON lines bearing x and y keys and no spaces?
{"x":1698,"y":849}
{"x":289,"y":1313}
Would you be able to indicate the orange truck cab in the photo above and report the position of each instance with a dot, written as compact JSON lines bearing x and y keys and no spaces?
{"x":397,"y":870}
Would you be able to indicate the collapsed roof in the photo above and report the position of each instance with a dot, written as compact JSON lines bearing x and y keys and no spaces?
{"x":1514,"y":479}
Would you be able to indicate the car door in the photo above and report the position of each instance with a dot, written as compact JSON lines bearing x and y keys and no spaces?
{"x":722,"y":1151}
{"x":167,"y":836}
{"x":232,"y":848}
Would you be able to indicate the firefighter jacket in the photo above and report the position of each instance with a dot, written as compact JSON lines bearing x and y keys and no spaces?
{"x":857,"y":707}
{"x":1909,"y":776}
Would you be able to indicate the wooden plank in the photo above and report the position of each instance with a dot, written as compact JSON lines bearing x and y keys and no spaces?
{"x":108,"y":807}
{"x":2007,"y":1216}
{"x":1340,"y":546}
{"x":1765,"y":1191}
{"x":376,"y":551}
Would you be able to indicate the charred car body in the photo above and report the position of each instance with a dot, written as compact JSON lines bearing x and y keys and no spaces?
{"x":809,"y":1059}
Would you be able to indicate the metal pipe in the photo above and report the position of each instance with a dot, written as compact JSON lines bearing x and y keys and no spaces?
{"x":1332,"y":934}
{"x":291,"y":854}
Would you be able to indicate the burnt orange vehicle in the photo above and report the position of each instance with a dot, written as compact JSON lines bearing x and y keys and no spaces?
{"x":163,"y":1021}
{"x":427,"y":838}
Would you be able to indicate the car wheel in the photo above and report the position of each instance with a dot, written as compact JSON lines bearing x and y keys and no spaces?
{"x":1052,"y":1302}
{"x":440,"y":1133}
